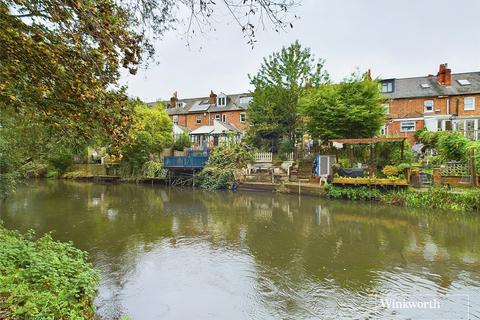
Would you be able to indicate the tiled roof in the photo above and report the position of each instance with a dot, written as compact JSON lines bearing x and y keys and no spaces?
{"x":412,"y":87}
{"x":201,"y":105}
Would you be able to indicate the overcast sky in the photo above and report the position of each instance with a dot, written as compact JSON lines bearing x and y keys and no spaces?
{"x":394,"y":38}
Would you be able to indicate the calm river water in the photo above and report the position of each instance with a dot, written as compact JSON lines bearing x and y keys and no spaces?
{"x":190,"y":254}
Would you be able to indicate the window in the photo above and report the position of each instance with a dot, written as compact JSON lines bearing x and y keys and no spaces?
{"x":386,"y":87}
{"x":179,"y":104}
{"x":217,"y":117}
{"x":243,"y":117}
{"x":199,"y":119}
{"x":224,"y":118}
{"x":469,"y":103}
{"x":245,"y":100}
{"x":221,"y":101}
{"x":175,"y":119}
{"x":428,"y":106}
{"x":425,"y":85}
{"x":407,"y":126}
{"x":464,"y":82}
{"x":383,"y":130}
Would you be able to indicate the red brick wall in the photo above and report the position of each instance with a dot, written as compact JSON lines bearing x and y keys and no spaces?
{"x":400,"y":108}
{"x":190,"y":120}
{"x":394,"y":130}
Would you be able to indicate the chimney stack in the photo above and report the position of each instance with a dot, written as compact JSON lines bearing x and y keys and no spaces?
{"x":213,"y":97}
{"x":444,"y":75}
{"x":173,"y":100}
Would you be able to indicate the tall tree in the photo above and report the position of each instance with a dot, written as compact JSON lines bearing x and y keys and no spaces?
{"x":350,"y":109}
{"x":151,"y":132}
{"x":62,"y":59}
{"x":284,"y":76}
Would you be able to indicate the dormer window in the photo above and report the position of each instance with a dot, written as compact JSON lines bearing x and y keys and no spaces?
{"x":386,"y":86}
{"x":221,"y":100}
{"x":179,"y":104}
{"x":244,"y":101}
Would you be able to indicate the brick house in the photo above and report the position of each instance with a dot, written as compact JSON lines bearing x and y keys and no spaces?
{"x":194,"y":113}
{"x":443,"y":102}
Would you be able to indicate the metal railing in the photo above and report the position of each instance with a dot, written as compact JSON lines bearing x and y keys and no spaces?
{"x":187,"y":162}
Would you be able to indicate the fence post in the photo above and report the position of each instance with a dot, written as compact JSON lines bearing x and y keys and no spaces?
{"x":473,"y":168}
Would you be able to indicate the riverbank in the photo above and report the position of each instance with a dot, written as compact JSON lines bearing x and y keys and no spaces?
{"x":44,"y":279}
{"x":433,"y":198}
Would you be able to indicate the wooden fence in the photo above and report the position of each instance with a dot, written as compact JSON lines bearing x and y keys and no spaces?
{"x":263,"y":157}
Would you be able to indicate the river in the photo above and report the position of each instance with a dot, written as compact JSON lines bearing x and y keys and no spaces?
{"x":192,"y":254}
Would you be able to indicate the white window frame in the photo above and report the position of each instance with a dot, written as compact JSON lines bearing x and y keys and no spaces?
{"x":199,"y":119}
{"x":384,"y":130}
{"x":175,"y":119}
{"x":224,"y":118}
{"x":179,"y":104}
{"x":471,"y":105}
{"x":428,"y":104}
{"x":222,"y":101}
{"x":217,"y":117}
{"x":405,"y":122}
{"x":244,"y":116}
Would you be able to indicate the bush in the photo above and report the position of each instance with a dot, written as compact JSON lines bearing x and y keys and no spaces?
{"x":391,"y":171}
{"x":182,"y":142}
{"x":44,"y":279}
{"x":222,"y":163}
{"x":452,"y":146}
{"x":152,"y":169}
{"x":214,"y":178}
{"x":353,"y":193}
{"x":436,"y":198}
{"x":419,"y":132}
{"x":60,"y":158}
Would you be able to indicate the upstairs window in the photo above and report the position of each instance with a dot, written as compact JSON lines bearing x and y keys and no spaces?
{"x":428,"y":106}
{"x":407,"y":126}
{"x":245,"y":100}
{"x":179,"y":104}
{"x":224,"y":118}
{"x":199,"y":119}
{"x":222,"y":101}
{"x":243,"y":117}
{"x":469,"y":104}
{"x":175,"y":119}
{"x":386,"y":87}
{"x":217,"y":117}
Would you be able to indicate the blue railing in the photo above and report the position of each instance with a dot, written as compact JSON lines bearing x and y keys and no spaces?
{"x":188,"y":162}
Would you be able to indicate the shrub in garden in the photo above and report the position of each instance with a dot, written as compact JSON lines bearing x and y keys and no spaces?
{"x":222,"y":163}
{"x":452,"y":146}
{"x":391,"y":171}
{"x":353,"y":193}
{"x":182,"y":142}
{"x":44,"y":279}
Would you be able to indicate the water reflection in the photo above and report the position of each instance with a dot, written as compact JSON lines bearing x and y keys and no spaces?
{"x":181,"y":253}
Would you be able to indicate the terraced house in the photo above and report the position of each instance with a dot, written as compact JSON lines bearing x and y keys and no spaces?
{"x":444,"y":101}
{"x":194,"y":113}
